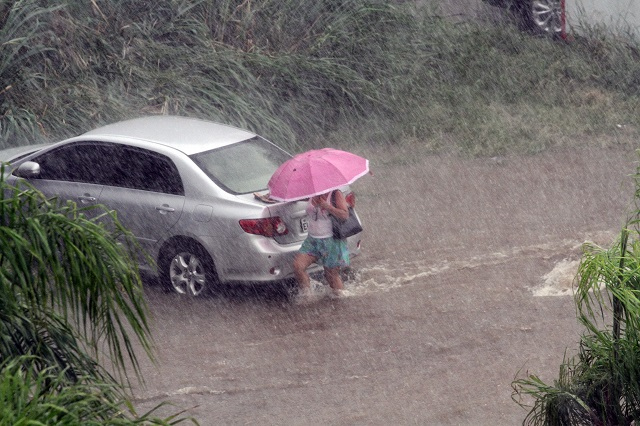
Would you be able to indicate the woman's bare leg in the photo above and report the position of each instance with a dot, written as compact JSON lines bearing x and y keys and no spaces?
{"x":300,"y":264}
{"x":335,"y":280}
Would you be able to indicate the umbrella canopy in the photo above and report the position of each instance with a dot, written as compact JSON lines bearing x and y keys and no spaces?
{"x":316,"y":172}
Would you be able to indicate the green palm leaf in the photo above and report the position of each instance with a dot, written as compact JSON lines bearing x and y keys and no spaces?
{"x":69,"y":285}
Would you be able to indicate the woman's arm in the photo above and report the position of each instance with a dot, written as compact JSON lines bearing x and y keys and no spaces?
{"x":341,"y":210}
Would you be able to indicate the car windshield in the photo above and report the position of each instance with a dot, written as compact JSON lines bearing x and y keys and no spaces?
{"x":243,"y":167}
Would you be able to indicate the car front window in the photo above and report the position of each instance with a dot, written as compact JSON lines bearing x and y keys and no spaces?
{"x":78,"y":162}
{"x":243,"y":167}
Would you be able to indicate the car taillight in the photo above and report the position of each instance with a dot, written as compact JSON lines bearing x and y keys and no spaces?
{"x":351,"y":199}
{"x":268,"y":226}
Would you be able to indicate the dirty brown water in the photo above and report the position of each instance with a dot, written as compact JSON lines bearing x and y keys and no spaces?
{"x":464,"y":282}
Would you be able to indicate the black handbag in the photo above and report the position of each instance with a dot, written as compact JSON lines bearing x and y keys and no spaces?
{"x":344,"y":228}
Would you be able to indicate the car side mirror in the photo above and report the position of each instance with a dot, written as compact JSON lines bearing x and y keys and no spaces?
{"x":28,"y":170}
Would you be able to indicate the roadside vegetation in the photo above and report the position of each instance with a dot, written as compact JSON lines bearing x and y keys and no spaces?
{"x":71,"y":312}
{"x":312,"y":73}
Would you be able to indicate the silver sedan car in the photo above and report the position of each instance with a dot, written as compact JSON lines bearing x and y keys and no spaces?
{"x":186,"y":188}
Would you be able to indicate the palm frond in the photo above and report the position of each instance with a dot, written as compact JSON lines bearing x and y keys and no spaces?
{"x":69,"y":277}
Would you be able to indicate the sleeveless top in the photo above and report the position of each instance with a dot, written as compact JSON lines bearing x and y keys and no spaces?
{"x":320,"y":225}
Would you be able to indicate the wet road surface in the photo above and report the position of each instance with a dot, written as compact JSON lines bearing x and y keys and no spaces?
{"x":464,"y":281}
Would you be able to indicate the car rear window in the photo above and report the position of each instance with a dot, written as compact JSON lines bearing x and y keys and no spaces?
{"x":243,"y":167}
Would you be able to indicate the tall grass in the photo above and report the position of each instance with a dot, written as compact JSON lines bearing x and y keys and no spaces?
{"x":309,"y":73}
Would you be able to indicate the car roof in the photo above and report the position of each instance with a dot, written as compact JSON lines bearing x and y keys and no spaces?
{"x":189,"y":135}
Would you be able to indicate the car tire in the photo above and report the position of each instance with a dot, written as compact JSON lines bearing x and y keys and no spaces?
{"x":540,"y":16}
{"x":187,"y":269}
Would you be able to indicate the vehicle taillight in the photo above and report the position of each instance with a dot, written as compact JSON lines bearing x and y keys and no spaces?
{"x":268,"y":226}
{"x":351,"y":199}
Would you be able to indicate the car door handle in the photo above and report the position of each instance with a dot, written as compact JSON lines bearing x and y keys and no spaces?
{"x":86,"y":198}
{"x":165,"y":209}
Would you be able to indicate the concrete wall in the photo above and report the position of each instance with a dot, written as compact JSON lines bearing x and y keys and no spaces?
{"x":619,"y":16}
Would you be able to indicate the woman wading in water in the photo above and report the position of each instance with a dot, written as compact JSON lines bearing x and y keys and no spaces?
{"x":320,"y":246}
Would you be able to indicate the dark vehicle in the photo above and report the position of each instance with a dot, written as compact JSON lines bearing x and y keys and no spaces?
{"x":538,"y":16}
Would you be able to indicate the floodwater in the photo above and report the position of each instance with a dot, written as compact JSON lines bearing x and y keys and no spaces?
{"x":464,"y":283}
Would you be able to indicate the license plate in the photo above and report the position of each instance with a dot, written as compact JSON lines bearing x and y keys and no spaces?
{"x":304,"y":224}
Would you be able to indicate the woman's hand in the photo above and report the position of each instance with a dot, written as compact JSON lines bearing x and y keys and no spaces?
{"x":319,"y":201}
{"x":341,"y":210}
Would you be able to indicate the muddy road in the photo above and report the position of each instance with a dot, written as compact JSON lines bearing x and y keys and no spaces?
{"x":464,"y":280}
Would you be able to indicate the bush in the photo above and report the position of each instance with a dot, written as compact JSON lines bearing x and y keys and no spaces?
{"x":70,"y":300}
{"x":31,"y":395}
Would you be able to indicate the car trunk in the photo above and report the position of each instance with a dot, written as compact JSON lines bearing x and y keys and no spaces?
{"x":294,"y":216}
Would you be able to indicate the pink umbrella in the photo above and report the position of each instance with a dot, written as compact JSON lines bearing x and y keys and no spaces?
{"x":316,"y":172}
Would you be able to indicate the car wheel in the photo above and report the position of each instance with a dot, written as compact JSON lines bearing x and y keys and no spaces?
{"x":541,"y":16}
{"x":187,"y":269}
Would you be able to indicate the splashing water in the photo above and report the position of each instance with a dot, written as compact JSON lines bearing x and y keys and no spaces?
{"x":387,"y":276}
{"x":559,"y":281}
